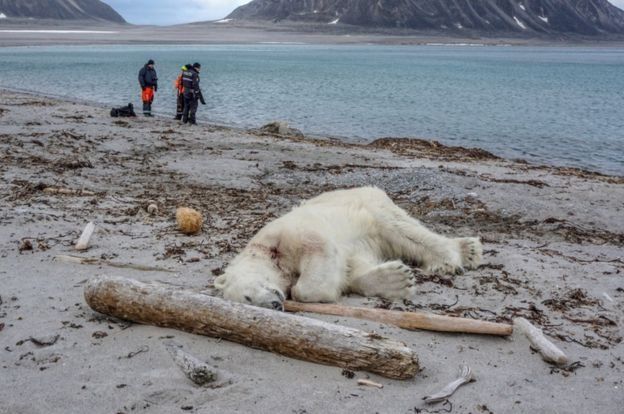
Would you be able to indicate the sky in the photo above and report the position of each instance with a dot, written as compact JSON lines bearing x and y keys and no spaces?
{"x":164,"y":12}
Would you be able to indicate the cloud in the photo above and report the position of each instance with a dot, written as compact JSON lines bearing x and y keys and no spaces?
{"x":163,"y":12}
{"x":618,"y":3}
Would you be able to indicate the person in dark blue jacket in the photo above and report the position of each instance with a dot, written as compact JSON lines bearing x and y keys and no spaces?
{"x":192,"y":93}
{"x":149,"y":84}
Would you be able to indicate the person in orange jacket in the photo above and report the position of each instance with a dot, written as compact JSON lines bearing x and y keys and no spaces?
{"x":149,"y":84}
{"x":179,"y":88}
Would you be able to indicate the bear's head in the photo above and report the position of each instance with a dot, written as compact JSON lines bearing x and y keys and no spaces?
{"x":257,"y":285}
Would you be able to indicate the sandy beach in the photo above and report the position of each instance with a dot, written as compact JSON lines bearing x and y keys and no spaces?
{"x":553,"y":240}
{"x":38,"y":33}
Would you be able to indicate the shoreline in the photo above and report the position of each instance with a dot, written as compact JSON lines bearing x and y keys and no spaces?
{"x":552,"y":254}
{"x":261,"y":32}
{"x":432,"y":143}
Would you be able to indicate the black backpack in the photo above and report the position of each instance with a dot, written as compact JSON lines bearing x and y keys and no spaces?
{"x":123,"y":111}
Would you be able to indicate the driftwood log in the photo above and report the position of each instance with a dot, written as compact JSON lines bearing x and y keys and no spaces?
{"x":290,"y":335}
{"x":405,"y":320}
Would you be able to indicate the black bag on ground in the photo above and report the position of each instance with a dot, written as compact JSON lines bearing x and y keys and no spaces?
{"x":123,"y":111}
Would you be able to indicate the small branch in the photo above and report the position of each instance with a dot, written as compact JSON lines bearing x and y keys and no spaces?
{"x":94,"y":261}
{"x":197,"y":371}
{"x":465,"y":376}
{"x":85,"y":237}
{"x":369,"y":383}
{"x":67,"y":191}
{"x":547,"y":349}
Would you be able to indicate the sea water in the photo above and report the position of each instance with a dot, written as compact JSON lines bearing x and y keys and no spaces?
{"x":561,"y":106}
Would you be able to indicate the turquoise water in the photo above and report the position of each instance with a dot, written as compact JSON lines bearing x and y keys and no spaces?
{"x":562,"y":106}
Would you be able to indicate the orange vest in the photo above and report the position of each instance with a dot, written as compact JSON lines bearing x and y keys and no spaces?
{"x":177,"y":84}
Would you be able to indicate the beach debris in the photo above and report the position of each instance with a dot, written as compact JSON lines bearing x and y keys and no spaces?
{"x":405,"y":320}
{"x":276,"y":127}
{"x":369,"y":383}
{"x":95,"y":261}
{"x":73,"y":164}
{"x":132,"y":354}
{"x":99,"y":334}
{"x":190,"y":221}
{"x":85,"y":237}
{"x":348,"y":373}
{"x":25,"y":244}
{"x":196,"y":370}
{"x":294,"y":336}
{"x":44,"y":340}
{"x":465,"y":376}
{"x":67,"y":191}
{"x":152,"y":207}
{"x":280,"y":128}
{"x":567,"y":369}
{"x":543,"y":345}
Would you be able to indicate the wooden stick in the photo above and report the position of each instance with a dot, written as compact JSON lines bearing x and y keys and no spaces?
{"x":294,"y":336}
{"x":85,"y":237}
{"x":95,"y":261}
{"x":405,"y":320}
{"x":197,"y":371}
{"x":547,"y":349}
{"x":369,"y":383}
{"x":67,"y":191}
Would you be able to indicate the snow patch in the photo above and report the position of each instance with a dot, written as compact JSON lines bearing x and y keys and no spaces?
{"x":519,"y":23}
{"x":223,"y":21}
{"x":522,"y":6}
{"x":334,"y":21}
{"x":543,"y":18}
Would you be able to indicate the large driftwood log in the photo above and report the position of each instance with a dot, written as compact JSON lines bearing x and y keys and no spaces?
{"x":405,"y":320}
{"x":290,"y":335}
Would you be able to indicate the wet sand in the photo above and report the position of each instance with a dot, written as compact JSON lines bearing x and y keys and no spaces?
{"x":553,"y":240}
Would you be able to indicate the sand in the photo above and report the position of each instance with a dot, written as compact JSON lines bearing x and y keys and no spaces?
{"x":553,"y":254}
{"x":37,"y":33}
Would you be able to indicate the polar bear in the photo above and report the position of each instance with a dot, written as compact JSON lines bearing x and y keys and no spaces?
{"x":344,"y":241}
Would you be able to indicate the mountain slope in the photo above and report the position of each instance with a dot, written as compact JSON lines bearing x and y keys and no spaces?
{"x":60,"y":9}
{"x":586,"y":17}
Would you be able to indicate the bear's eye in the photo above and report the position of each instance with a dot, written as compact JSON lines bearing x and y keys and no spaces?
{"x":278,"y":294}
{"x":248,"y":299}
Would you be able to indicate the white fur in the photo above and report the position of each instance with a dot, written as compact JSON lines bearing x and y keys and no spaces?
{"x":339,"y":242}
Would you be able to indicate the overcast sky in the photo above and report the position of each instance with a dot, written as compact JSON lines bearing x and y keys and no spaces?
{"x":185,"y":11}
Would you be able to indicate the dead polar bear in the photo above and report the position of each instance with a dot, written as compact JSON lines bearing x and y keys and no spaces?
{"x":339,"y":242}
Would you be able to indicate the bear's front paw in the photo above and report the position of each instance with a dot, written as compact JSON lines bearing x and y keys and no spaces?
{"x":395,"y":280}
{"x":445,"y":268}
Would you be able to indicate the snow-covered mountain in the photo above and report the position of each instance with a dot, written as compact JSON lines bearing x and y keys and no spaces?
{"x":59,"y":9}
{"x":585,"y":17}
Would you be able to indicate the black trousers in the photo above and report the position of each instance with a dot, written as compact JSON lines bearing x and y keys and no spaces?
{"x":147,"y":108}
{"x":180,"y":106}
{"x":190,"y":108}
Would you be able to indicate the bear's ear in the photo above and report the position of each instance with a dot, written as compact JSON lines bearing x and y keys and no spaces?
{"x":221,"y":281}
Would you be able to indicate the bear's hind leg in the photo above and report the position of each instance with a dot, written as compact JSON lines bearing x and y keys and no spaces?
{"x":390,"y":280}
